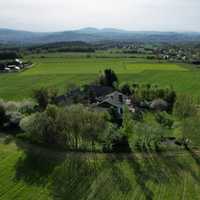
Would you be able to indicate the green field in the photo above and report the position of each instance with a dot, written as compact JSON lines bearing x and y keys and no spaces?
{"x":60,"y":72}
{"x":44,"y":174}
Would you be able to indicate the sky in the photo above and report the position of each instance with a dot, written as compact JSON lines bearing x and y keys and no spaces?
{"x":136,"y":15}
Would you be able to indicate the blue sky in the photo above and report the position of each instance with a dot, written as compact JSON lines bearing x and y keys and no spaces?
{"x":57,"y":15}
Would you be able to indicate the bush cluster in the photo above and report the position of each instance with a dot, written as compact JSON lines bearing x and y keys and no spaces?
{"x":69,"y":127}
{"x":11,"y":113}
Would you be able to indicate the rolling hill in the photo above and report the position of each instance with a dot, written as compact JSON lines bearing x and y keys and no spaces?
{"x":8,"y":36}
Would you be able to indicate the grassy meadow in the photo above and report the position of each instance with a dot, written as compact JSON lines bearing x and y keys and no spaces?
{"x":60,"y":72}
{"x":30,"y":172}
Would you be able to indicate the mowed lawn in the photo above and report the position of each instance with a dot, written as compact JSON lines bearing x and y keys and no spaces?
{"x":40,"y":174}
{"x":62,"y":72}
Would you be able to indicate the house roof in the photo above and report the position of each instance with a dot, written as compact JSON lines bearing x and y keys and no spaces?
{"x":100,"y":90}
{"x":116,"y":99}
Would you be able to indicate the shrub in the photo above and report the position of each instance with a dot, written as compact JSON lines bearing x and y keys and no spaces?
{"x":27,"y":107}
{"x":11,"y":106}
{"x":115,"y":140}
{"x":12,"y":112}
{"x":7,"y":139}
{"x":13,"y":120}
{"x":145,"y":137}
{"x":164,"y":119}
{"x":127,"y":123}
{"x":148,"y":92}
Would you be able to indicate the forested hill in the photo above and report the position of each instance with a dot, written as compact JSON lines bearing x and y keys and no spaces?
{"x":94,"y":35}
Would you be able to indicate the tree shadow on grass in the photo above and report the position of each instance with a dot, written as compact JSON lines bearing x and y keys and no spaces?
{"x":159,"y":169}
{"x":162,"y":167}
{"x":176,"y":166}
{"x":122,"y":182}
{"x":73,"y":178}
{"x":117,"y":174}
{"x":83,"y":177}
{"x":195,"y":156}
{"x":35,"y":165}
{"x":141,"y":176}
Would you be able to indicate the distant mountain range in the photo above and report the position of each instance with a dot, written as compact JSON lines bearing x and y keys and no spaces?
{"x":92,"y":35}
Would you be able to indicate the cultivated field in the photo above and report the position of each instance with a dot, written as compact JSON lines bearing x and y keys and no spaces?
{"x":63,"y":71}
{"x":44,"y":174}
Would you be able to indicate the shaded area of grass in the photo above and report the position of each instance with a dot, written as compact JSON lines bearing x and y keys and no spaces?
{"x":45,"y":174}
{"x":34,"y":168}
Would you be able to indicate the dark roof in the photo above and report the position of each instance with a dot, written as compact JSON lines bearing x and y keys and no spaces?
{"x":98,"y":90}
{"x":68,"y":97}
{"x":116,"y":99}
{"x":61,"y":99}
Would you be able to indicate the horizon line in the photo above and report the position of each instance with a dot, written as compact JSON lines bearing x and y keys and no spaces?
{"x":100,"y":29}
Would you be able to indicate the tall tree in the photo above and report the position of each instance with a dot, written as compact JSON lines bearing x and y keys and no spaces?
{"x":185,"y":107}
{"x":108,"y":78}
{"x":45,"y":96}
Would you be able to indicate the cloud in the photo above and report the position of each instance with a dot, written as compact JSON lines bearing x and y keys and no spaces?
{"x":55,"y":15}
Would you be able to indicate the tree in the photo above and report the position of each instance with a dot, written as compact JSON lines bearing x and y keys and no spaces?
{"x":9,"y":55}
{"x":41,"y":97}
{"x":46,"y":127}
{"x":125,"y":89}
{"x":108,"y":78}
{"x":52,"y":94}
{"x":95,"y":126}
{"x":66,"y":127}
{"x":45,"y":96}
{"x":120,"y":142}
{"x":75,"y":122}
{"x":185,"y":107}
{"x":86,"y":124}
{"x":127,"y":123}
{"x":3,"y":116}
{"x":170,"y":97}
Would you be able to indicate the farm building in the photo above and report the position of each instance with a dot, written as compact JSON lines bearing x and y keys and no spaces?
{"x":13,"y":67}
{"x":18,"y":61}
{"x":117,"y":100}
